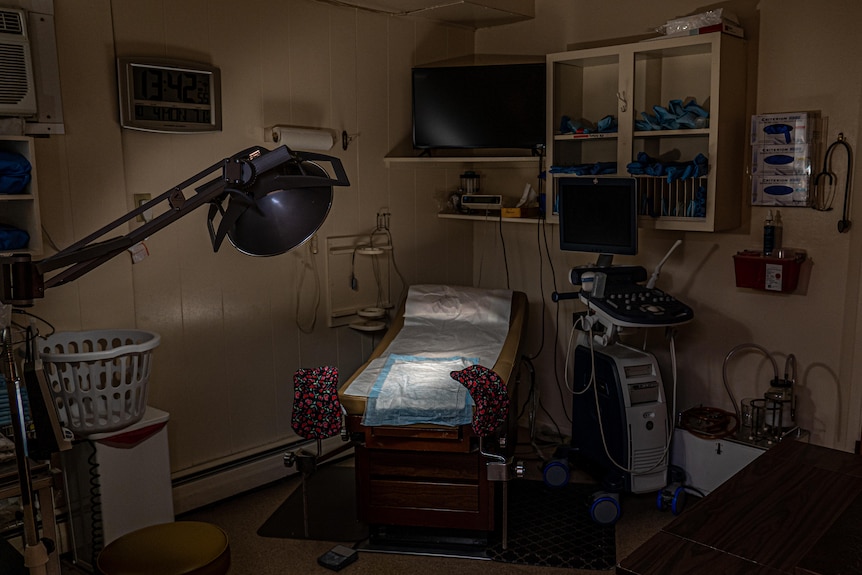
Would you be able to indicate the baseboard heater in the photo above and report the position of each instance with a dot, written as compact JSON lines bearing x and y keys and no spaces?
{"x":231,"y":478}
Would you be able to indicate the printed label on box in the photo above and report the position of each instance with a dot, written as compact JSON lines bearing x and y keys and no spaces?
{"x":792,"y":160}
{"x":780,"y":190}
{"x":773,"y":276}
{"x":780,"y":129}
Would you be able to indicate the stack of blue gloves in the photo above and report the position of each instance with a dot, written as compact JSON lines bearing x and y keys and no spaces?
{"x":675,"y":117}
{"x":608,"y":124}
{"x":647,"y":166}
{"x":596,"y":169}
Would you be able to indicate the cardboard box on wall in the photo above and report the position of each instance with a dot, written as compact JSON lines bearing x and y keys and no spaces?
{"x":784,"y":160}
{"x":789,"y":191}
{"x":781,"y":129}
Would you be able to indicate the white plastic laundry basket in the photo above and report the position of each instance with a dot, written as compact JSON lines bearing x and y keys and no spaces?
{"x":99,"y":378}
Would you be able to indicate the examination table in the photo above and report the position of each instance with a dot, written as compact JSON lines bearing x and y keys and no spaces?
{"x":431,"y":475}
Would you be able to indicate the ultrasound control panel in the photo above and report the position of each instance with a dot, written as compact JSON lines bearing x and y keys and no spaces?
{"x":630,"y":304}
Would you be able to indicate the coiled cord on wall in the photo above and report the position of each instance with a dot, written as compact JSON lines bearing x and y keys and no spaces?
{"x":96,"y":527}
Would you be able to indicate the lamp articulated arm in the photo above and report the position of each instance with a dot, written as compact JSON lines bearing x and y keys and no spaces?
{"x":23,"y":280}
{"x":266,"y":191}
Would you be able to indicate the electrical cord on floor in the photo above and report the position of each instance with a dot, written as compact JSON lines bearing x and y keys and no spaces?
{"x":676,"y":474}
{"x":526,"y":361}
{"x":540,"y":224}
{"x":503,"y":244}
{"x":535,"y":403}
{"x":556,"y":366}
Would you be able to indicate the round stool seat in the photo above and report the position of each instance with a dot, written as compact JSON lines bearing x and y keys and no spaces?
{"x":179,"y":548}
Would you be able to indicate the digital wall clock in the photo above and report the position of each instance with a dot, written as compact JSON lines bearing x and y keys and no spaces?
{"x":169,"y":96}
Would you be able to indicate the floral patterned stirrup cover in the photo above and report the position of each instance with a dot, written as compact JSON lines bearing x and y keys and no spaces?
{"x":316,"y":408}
{"x":490,"y":395}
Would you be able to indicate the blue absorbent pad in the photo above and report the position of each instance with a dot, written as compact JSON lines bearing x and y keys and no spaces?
{"x":413,"y":389}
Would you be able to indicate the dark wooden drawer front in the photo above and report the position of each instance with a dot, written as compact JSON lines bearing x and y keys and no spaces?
{"x":424,"y":495}
{"x":463,"y":468}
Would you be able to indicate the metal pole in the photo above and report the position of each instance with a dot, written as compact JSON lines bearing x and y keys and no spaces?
{"x":35,"y":553}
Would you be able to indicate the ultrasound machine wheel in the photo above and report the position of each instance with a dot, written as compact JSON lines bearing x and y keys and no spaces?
{"x":605,"y":508}
{"x":672,"y":496}
{"x":556,"y":473}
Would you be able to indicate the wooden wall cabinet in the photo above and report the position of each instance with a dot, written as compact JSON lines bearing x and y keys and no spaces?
{"x":628,"y":80}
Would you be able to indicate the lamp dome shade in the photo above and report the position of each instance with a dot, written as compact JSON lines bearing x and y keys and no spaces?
{"x":286,"y":212}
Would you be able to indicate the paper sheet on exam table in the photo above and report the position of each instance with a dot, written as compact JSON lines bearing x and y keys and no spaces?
{"x":442,"y":321}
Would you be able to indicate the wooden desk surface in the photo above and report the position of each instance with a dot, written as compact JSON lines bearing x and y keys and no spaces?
{"x":794,"y":510}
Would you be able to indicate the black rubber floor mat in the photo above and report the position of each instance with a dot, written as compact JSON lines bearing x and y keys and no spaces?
{"x":331,"y":510}
{"x":552,"y":527}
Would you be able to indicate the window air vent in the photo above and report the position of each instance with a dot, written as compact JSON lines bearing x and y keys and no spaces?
{"x":17,"y":92}
{"x":11,"y":22}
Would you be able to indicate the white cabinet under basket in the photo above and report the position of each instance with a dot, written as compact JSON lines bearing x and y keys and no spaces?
{"x":627,"y":80}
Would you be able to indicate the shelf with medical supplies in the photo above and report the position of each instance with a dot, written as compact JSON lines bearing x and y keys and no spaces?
{"x":671,"y":111}
{"x":495,"y":216}
{"x":20,"y":222}
{"x":451,"y":157}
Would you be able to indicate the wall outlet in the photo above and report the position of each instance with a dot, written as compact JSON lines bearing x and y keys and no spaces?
{"x":140,"y":200}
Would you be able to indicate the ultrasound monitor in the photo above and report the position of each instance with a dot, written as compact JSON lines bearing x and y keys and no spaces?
{"x":598,"y":215}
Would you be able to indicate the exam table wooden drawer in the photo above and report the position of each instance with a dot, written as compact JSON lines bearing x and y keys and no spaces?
{"x":424,"y":495}
{"x":446,"y":466}
{"x":423,"y":488}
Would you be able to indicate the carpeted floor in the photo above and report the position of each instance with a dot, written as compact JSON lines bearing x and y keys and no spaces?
{"x":547,"y":527}
{"x":242,"y":516}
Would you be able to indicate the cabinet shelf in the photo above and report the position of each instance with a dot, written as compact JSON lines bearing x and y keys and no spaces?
{"x":493,"y":217}
{"x":22,"y":210}
{"x":430,"y":161}
{"x":671,"y":133}
{"x":595,"y":136}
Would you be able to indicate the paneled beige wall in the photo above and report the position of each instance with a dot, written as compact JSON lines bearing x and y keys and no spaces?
{"x":818,"y":324}
{"x":230,"y":324}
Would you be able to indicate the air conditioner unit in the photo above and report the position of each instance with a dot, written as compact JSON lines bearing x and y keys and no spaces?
{"x":17,"y":91}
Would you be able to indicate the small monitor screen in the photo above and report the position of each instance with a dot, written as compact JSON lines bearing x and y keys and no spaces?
{"x":598,"y":215}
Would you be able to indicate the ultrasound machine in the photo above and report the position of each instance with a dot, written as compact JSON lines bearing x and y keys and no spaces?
{"x":620,"y":425}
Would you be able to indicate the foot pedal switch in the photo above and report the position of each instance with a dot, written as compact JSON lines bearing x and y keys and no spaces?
{"x":338,"y":558}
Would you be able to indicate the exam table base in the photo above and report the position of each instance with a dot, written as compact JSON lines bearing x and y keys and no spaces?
{"x":421,"y":477}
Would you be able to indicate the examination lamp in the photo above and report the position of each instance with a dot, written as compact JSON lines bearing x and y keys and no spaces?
{"x":265,"y":202}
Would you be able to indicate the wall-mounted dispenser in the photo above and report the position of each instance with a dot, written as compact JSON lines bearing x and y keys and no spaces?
{"x":299,"y":138}
{"x":779,"y":272}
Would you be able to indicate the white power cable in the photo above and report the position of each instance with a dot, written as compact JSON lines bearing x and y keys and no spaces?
{"x":315,"y":306}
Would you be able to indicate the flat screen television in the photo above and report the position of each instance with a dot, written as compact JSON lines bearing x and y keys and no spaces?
{"x":598,"y":215}
{"x":486,"y":106}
